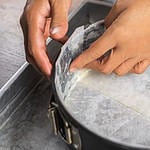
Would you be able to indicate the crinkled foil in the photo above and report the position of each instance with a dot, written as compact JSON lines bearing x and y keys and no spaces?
{"x":78,"y":42}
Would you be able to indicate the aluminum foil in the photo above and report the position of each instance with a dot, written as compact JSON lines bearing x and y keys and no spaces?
{"x":78,"y":42}
{"x":117,"y":108}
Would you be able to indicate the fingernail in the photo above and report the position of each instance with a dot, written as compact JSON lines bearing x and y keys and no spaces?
{"x":73,"y":69}
{"x":55,"y":30}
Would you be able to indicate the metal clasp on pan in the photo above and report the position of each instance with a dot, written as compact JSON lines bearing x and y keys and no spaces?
{"x":62,"y":128}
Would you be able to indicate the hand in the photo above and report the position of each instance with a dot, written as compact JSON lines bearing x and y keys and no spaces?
{"x":128,"y":34}
{"x":42,"y":19}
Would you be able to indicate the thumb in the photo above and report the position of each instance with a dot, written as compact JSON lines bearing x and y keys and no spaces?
{"x":59,"y":23}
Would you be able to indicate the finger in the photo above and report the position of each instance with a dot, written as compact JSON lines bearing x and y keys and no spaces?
{"x":96,"y":50}
{"x":59,"y":24}
{"x":25,"y":34}
{"x":116,"y":10}
{"x":47,"y":32}
{"x":126,"y":66}
{"x":97,"y":64}
{"x":31,"y":61}
{"x":116,"y":58}
{"x":25,"y":30}
{"x":140,"y":67}
{"x":47,"y":28}
{"x":64,"y":39}
{"x":37,"y":44}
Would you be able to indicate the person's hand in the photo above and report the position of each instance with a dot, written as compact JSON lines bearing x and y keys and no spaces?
{"x":127,"y":34}
{"x":42,"y":19}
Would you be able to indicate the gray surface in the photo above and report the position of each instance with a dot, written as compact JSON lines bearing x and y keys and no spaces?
{"x":11,"y":41}
{"x":29,"y":128}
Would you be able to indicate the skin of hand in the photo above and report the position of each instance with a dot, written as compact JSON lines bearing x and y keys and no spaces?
{"x":42,"y":19}
{"x":127,"y":34}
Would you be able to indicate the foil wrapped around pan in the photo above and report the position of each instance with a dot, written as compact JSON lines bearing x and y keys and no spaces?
{"x":78,"y":42}
{"x":117,"y":108}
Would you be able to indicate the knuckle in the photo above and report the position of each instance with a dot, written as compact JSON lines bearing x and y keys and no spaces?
{"x":27,"y":7}
{"x":106,"y":70}
{"x":29,"y":52}
{"x":120,"y":72}
{"x":119,"y":3}
{"x":28,"y":59}
{"x":139,"y":70}
{"x":93,"y":51}
{"x":29,"y":13}
{"x":119,"y":31}
{"x":21,"y":20}
{"x":93,"y":55}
